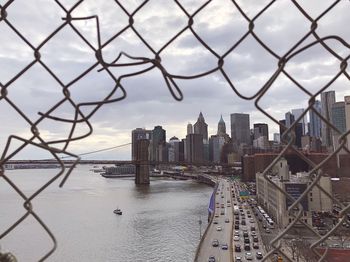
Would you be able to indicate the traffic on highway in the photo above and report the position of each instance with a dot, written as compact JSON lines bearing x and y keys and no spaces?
{"x":233,"y":233}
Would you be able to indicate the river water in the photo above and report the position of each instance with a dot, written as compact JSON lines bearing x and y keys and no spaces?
{"x":159,"y":221}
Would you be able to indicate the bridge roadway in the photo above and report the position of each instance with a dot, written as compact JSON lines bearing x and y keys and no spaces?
{"x":206,"y":248}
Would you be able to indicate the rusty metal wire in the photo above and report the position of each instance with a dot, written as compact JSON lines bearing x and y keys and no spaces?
{"x":58,"y":147}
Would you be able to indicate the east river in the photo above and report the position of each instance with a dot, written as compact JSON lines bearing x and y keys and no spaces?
{"x":159,"y":221}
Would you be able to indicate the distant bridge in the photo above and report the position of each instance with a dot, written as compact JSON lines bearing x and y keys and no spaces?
{"x":121,"y":162}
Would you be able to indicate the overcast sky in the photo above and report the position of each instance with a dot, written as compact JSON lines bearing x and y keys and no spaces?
{"x":149,"y":102}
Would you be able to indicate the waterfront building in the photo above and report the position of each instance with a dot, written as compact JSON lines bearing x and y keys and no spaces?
{"x":276,"y":204}
{"x":158,"y":138}
{"x":174,"y":149}
{"x":327,"y":100}
{"x":200,"y":127}
{"x":315,"y":120}
{"x":137,"y":134}
{"x":194,"y":148}
{"x":240,"y":129}
{"x":163,"y":150}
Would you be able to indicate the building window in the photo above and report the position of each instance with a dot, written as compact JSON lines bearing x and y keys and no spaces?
{"x":310,"y":199}
{"x":311,"y":194}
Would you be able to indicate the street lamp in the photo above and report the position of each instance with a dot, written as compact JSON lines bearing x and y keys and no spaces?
{"x":200,"y":227}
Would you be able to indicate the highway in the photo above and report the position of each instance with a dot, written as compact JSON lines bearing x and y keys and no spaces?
{"x":223,"y":211}
{"x":239,"y":228}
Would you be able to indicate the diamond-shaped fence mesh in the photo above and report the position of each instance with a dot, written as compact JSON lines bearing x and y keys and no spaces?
{"x":98,"y":42}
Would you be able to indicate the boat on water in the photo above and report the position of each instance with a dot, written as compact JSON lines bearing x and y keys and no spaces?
{"x":118,"y":211}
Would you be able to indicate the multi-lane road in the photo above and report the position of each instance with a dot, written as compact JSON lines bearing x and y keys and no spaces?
{"x":233,"y":233}
{"x":219,"y":233}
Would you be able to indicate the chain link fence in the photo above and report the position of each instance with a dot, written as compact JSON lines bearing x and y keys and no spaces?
{"x":96,"y":37}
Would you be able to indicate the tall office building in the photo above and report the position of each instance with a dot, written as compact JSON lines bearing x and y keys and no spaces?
{"x":158,"y":138}
{"x":200,"y":127}
{"x":289,"y":119}
{"x":282,"y":128}
{"x":137,"y":134}
{"x":221,"y":127}
{"x":261,"y":129}
{"x":315,"y":120}
{"x":194,"y":148}
{"x":338,"y":116}
{"x":338,"y":120}
{"x":240,"y":130}
{"x":347,"y":116}
{"x":297,"y":113}
{"x":327,"y":100}
{"x":189,"y":129}
{"x":174,"y":149}
{"x":216,"y":144}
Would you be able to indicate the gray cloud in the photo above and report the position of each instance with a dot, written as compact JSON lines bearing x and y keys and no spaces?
{"x":148,"y":101}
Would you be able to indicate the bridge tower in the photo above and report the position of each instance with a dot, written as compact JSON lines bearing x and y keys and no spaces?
{"x":142,"y":163}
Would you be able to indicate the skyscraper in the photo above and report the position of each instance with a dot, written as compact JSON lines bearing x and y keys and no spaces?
{"x":315,"y":121}
{"x":189,"y":129}
{"x":216,"y":144}
{"x":221,"y":127}
{"x":200,"y":127}
{"x":194,"y":148}
{"x":338,"y":120}
{"x":297,"y":113}
{"x":327,"y":100}
{"x":240,"y":130}
{"x":136,"y":134}
{"x":289,"y":119}
{"x":261,"y":129}
{"x":338,"y":116}
{"x":158,"y":138}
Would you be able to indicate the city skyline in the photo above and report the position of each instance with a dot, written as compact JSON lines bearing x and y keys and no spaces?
{"x":148,"y":102}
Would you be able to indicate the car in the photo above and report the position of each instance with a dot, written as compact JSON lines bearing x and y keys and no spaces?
{"x":224,"y":246}
{"x":255,"y":239}
{"x":238,"y":259}
{"x":228,"y":201}
{"x":248,"y":256}
{"x":251,"y":221}
{"x":246,"y":247}
{"x":222,"y":212}
{"x":227,"y":220}
{"x":259,"y":255}
{"x":246,"y":240}
{"x":216,"y":215}
{"x":222,"y":196}
{"x":252,"y":228}
{"x":236,"y":233}
{"x":236,"y":238}
{"x":211,"y":259}
{"x":218,"y":228}
{"x":236,"y":226}
{"x":237,"y":248}
{"x":243,"y":222}
{"x":267,"y":230}
{"x":215,"y":243}
{"x":255,"y":245}
{"x":215,"y":222}
{"x":245,"y":233}
{"x":228,"y":205}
